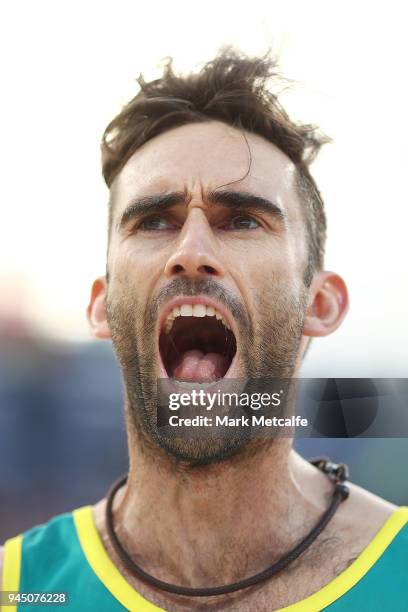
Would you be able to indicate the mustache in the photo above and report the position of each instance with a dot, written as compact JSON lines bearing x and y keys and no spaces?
{"x":202,"y":286}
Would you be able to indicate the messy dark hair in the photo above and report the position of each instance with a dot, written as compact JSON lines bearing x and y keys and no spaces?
{"x":235,"y":89}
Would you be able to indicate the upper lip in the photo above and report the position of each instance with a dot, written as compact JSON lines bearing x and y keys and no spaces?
{"x":195,"y":299}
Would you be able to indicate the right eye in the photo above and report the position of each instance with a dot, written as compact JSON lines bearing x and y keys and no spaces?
{"x":154,"y":224}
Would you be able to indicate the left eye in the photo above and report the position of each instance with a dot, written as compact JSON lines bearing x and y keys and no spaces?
{"x":242,"y":222}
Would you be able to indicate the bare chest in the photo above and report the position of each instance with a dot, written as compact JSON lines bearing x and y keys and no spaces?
{"x":306,"y":576}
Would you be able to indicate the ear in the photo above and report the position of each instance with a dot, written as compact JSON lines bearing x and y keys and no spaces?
{"x":96,"y":310}
{"x":329,"y":304}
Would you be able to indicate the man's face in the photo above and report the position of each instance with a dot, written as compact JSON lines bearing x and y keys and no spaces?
{"x":206,"y":262}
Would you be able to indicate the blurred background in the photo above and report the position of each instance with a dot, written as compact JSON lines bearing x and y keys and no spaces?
{"x":66,"y":70}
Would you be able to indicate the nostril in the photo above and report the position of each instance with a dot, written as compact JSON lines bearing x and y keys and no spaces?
{"x":191,"y":266}
{"x":208,"y":269}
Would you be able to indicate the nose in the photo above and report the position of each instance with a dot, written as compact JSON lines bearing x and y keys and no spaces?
{"x":196,"y":251}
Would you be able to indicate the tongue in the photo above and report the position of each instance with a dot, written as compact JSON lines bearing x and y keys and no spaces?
{"x":198,"y":366}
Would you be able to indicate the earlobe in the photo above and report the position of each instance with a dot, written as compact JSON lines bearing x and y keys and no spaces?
{"x":96,"y":311}
{"x":328,"y":306}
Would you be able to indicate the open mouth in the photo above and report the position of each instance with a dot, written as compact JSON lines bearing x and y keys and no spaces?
{"x":196,"y":343}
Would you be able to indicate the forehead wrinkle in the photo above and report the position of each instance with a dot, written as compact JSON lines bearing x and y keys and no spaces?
{"x":188,"y":196}
{"x":202,"y":193}
{"x":205,"y":196}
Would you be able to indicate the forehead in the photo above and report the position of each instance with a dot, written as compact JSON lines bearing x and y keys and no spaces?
{"x":205,"y":156}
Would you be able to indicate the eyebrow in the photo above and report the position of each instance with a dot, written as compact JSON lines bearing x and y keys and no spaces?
{"x":139,"y":207}
{"x":239,"y":200}
{"x":245,"y":200}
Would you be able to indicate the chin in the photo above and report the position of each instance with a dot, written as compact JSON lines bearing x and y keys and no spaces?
{"x":195,"y":453}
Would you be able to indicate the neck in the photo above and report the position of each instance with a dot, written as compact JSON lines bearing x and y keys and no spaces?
{"x":191,"y":526}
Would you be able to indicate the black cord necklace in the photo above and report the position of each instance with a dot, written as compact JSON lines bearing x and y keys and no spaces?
{"x":338,"y":474}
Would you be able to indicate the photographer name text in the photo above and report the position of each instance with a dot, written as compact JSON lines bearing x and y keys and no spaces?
{"x":243,"y":421}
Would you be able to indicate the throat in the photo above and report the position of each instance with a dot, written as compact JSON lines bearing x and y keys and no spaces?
{"x":197,"y":349}
{"x":200,"y":527}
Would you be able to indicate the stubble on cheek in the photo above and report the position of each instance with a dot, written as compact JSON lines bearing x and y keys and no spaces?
{"x":280,"y":317}
{"x":270,"y":351}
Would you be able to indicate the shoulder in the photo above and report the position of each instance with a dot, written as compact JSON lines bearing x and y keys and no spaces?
{"x":362,"y":517}
{"x":362,"y":509}
{"x":1,"y":563}
{"x":368,"y":508}
{"x":53,"y":536}
{"x":53,"y":540}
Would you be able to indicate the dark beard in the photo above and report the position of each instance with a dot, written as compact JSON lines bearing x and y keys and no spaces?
{"x":267,"y":349}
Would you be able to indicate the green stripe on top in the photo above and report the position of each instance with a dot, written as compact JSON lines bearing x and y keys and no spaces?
{"x":53,"y":561}
{"x":385,"y":587}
